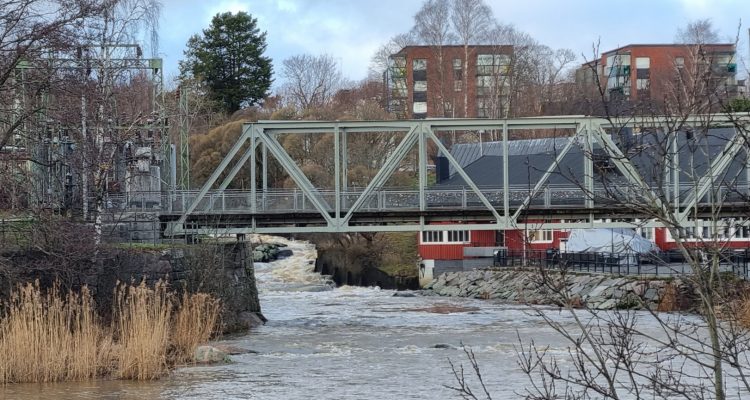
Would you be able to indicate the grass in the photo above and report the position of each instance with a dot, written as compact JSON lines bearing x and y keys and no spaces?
{"x":46,"y":336}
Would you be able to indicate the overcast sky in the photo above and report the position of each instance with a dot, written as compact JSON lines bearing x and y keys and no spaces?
{"x":351,"y":30}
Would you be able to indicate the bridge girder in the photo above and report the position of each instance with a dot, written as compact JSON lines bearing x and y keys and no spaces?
{"x":336,"y":217}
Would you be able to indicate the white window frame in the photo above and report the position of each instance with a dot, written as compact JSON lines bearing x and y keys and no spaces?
{"x":444,"y":237}
{"x":546,"y":235}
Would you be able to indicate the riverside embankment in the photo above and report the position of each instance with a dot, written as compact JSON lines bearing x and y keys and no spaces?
{"x":597,"y":291}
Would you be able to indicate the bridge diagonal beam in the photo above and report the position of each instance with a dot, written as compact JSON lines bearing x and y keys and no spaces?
{"x":501,"y":221}
{"x":623,"y":164}
{"x":237,"y":168}
{"x":299,"y":177}
{"x":717,"y":167}
{"x":246,"y":132}
{"x":544,"y":178}
{"x":385,"y":172}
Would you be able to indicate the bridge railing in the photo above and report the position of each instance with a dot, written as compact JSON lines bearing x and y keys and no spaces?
{"x":291,"y":200}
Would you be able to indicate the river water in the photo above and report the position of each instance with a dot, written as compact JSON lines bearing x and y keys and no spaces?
{"x":344,"y":343}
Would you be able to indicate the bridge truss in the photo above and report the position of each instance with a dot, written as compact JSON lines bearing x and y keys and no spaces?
{"x":376,"y":207}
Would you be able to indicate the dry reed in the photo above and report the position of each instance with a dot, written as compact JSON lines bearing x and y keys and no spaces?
{"x":194,"y":323}
{"x":142,"y":317}
{"x":47,"y":337}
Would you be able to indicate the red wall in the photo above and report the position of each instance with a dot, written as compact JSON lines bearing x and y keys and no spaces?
{"x":514,"y":241}
{"x":442,"y":251}
{"x":660,"y":237}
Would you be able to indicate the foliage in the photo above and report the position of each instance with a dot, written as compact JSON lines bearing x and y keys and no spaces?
{"x":739,"y":104}
{"x":228,"y":57}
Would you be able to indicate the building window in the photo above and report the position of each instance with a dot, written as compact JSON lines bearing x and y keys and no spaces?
{"x":420,"y":107}
{"x":446,"y":237}
{"x":646,"y":233}
{"x":492,"y":64}
{"x":448,"y":107}
{"x":458,"y":72}
{"x":419,"y":64}
{"x":458,"y":85}
{"x":420,"y":86}
{"x":679,"y":62}
{"x":742,"y":232}
{"x":541,"y":236}
{"x":432,"y":237}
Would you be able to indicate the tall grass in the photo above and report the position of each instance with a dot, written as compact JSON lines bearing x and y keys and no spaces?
{"x":142,"y":317}
{"x":194,"y":323}
{"x":46,"y":336}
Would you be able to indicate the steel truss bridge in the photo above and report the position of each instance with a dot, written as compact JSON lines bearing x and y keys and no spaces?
{"x":586,"y":202}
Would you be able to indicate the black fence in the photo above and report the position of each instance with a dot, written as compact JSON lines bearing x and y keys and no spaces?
{"x":660,"y":264}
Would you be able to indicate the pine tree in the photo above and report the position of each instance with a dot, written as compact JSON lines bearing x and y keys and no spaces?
{"x":228,"y":58}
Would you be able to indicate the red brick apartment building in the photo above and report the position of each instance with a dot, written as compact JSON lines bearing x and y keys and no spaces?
{"x":652,"y":72}
{"x":440,"y":81}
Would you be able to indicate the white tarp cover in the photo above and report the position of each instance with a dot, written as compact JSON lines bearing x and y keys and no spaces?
{"x":608,"y":241}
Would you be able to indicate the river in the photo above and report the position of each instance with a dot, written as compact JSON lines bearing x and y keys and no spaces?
{"x":344,"y":343}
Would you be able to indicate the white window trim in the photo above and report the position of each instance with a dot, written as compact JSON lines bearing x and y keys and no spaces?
{"x":551,"y":234}
{"x":734,"y":238}
{"x":444,"y":238}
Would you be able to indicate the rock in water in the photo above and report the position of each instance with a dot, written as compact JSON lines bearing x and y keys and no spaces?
{"x":210,"y":355}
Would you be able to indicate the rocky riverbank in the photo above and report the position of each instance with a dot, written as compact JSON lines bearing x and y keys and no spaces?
{"x":595,"y":291}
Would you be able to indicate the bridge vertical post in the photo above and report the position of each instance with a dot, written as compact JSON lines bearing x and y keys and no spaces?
{"x":337,"y":173}
{"x":747,"y":170}
{"x":264,"y":160}
{"x":253,"y":199}
{"x":422,"y":169}
{"x":588,"y":165}
{"x":344,"y":165}
{"x":506,"y":195}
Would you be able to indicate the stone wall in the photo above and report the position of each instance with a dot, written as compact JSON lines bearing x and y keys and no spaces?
{"x":224,"y":270}
{"x":596,"y":291}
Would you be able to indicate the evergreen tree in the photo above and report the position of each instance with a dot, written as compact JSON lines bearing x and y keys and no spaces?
{"x":228,"y":59}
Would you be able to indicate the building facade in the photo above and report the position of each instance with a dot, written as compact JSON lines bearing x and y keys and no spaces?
{"x":660,"y":72}
{"x":449,"y":81}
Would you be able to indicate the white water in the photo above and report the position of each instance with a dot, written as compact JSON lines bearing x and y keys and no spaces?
{"x":344,"y":343}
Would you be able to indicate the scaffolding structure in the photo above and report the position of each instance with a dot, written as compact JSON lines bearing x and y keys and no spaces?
{"x":78,"y":101}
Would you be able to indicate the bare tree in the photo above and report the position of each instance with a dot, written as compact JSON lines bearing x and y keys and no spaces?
{"x":311,"y":81}
{"x":28,"y":30}
{"x":472,"y":20}
{"x":699,"y":31}
{"x":380,"y":61}
{"x":432,"y":28}
{"x":679,"y":172}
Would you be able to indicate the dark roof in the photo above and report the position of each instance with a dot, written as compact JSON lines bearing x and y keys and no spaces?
{"x":527,"y":167}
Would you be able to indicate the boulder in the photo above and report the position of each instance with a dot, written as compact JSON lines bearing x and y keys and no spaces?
{"x":210,"y":355}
